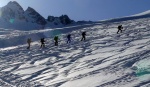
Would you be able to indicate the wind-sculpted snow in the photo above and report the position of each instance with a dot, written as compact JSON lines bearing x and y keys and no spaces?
{"x":105,"y":59}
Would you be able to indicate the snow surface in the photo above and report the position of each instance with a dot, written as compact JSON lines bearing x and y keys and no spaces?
{"x":143,"y":13}
{"x":105,"y":59}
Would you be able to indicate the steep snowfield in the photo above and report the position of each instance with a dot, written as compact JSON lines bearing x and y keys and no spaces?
{"x":105,"y":59}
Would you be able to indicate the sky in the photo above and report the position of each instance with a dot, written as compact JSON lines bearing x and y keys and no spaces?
{"x":93,"y":10}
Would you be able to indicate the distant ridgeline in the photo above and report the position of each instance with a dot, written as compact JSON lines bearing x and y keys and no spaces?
{"x":12,"y":16}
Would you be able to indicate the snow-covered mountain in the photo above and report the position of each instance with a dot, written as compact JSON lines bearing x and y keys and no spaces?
{"x":105,"y":59}
{"x":12,"y":16}
{"x":34,"y":16}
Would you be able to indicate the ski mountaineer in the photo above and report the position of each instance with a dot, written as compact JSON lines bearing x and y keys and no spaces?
{"x":29,"y":43}
{"x":83,"y":36}
{"x":42,"y":42}
{"x":119,"y":29}
{"x":69,"y":38}
{"x":56,"y":40}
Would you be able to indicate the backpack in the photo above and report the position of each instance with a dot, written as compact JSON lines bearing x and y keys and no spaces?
{"x":120,"y":27}
{"x":29,"y":40}
{"x":42,"y":40}
{"x":69,"y":36}
{"x":56,"y":38}
{"x":83,"y":33}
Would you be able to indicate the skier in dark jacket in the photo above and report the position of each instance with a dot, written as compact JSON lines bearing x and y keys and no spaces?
{"x":83,"y":36}
{"x":119,"y":29}
{"x":56,"y":40}
{"x":68,"y":38}
{"x":29,"y":43}
{"x":42,"y":42}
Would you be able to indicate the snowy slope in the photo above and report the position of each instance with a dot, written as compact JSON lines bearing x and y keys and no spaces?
{"x":105,"y":59}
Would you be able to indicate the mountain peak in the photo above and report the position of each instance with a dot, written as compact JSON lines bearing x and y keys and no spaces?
{"x":14,"y":4}
{"x":29,"y":9}
{"x":35,"y":16}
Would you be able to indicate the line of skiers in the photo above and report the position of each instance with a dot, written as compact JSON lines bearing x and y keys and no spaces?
{"x":42,"y":40}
